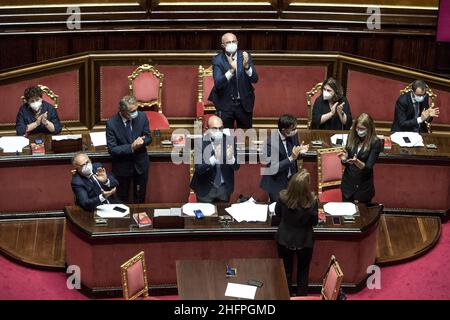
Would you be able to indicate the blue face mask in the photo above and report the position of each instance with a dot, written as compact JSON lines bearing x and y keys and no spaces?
{"x":419,"y":99}
{"x":133,"y":115}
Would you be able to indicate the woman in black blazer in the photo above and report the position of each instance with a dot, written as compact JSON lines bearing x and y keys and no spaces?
{"x":297,"y":207}
{"x":359,"y":157}
{"x":331,"y":110}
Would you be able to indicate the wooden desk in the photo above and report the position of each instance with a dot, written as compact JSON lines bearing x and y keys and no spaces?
{"x":46,"y":179}
{"x":206,"y":280}
{"x":100,"y":250}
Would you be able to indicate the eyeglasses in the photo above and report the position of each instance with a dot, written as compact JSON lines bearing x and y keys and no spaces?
{"x":216,"y":128}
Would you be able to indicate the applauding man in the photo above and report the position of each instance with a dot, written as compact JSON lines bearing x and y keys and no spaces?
{"x":90,"y":183}
{"x":127,"y":135}
{"x":412,"y":110}
{"x":281,"y":154}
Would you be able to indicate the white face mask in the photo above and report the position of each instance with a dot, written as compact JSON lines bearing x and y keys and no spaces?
{"x":216,"y":136}
{"x":86,"y":170}
{"x":133,"y":115}
{"x":361,"y":133}
{"x":231,"y":48}
{"x":327,"y":95}
{"x":36,"y":105}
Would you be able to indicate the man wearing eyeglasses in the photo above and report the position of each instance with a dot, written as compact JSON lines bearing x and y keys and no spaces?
{"x":233,"y":92}
{"x":90,"y":183}
{"x":215,"y":163}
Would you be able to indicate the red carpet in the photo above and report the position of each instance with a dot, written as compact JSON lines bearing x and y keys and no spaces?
{"x":423,"y":278}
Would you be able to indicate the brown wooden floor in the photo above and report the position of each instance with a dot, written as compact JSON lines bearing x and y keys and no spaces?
{"x":37,"y":242}
{"x":40,"y":242}
{"x":402,"y":238}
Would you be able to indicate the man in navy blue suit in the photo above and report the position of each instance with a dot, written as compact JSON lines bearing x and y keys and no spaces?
{"x":213,"y":179}
{"x":90,"y":183}
{"x":233,"y":92}
{"x":281,"y":154}
{"x":128,"y":135}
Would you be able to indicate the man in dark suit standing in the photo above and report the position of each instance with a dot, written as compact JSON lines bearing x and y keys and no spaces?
{"x":233,"y":92}
{"x":213,"y":179}
{"x":412,"y":110}
{"x":281,"y":156}
{"x":90,"y":183}
{"x":127,"y":135}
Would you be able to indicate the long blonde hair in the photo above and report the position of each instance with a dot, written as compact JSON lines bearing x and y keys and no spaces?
{"x":298,"y":193}
{"x":354,"y":140}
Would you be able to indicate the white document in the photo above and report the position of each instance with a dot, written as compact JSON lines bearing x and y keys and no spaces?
{"x":66,"y":137}
{"x":98,"y":138}
{"x":272,"y":207}
{"x":107,"y":211}
{"x":13,"y":143}
{"x":415,"y":139}
{"x":334,"y":138}
{"x":175,"y":212}
{"x":208,"y":209}
{"x":244,"y":291}
{"x":248,"y":211}
{"x":340,"y":208}
{"x":161,"y":213}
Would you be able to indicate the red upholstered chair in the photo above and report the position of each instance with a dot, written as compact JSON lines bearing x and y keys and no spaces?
{"x":309,"y":95}
{"x":157,"y":120}
{"x":430,"y":93}
{"x":48,"y":96}
{"x":134,"y":278}
{"x":205,"y":108}
{"x":331,"y":283}
{"x":329,"y":170}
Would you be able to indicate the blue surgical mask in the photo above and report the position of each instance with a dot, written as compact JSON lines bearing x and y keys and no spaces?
{"x":133,"y":115}
{"x":419,"y":99}
{"x":231,"y":48}
{"x":292,"y":133}
{"x":217,"y":136}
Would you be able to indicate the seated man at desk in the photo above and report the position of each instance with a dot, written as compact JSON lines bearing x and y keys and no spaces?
{"x":281,"y":155}
{"x":412,"y":110}
{"x":90,"y":183}
{"x":36,"y":115}
{"x":213,"y":179}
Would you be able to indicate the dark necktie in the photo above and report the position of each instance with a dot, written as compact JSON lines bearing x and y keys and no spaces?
{"x":129,"y":131}
{"x":289,"y":146}
{"x":218,"y":178}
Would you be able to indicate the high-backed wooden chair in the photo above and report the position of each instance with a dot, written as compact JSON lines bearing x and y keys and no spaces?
{"x":145,"y":84}
{"x":204,"y":108}
{"x":432,"y":96}
{"x":134,"y":277}
{"x":331,"y":283}
{"x":329,"y":171}
{"x":309,"y":105}
{"x":48,"y":95}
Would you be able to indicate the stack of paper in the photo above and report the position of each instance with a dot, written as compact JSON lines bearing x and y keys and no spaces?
{"x":248,"y":211}
{"x":342,"y":136}
{"x":340,"y":208}
{"x":407,"y":139}
{"x":112,"y":211}
{"x":13,"y":144}
{"x":172,"y":212}
{"x":243,"y":291}
{"x":98,"y":138}
{"x":66,"y":137}
{"x":208,"y":209}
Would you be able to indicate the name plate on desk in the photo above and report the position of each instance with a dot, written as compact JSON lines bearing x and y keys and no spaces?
{"x":67,"y":143}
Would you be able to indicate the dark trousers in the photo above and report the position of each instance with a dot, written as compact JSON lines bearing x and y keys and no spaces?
{"x":273,"y":197}
{"x":304,"y":256}
{"x":244,"y":119}
{"x":219,"y":194}
{"x":139,"y":187}
{"x":352,"y":199}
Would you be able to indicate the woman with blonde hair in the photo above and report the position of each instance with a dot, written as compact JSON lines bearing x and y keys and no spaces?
{"x":297,"y":207}
{"x":359,"y":157}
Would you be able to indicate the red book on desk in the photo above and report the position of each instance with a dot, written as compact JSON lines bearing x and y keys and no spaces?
{"x":387,"y":143}
{"x":142,"y":219}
